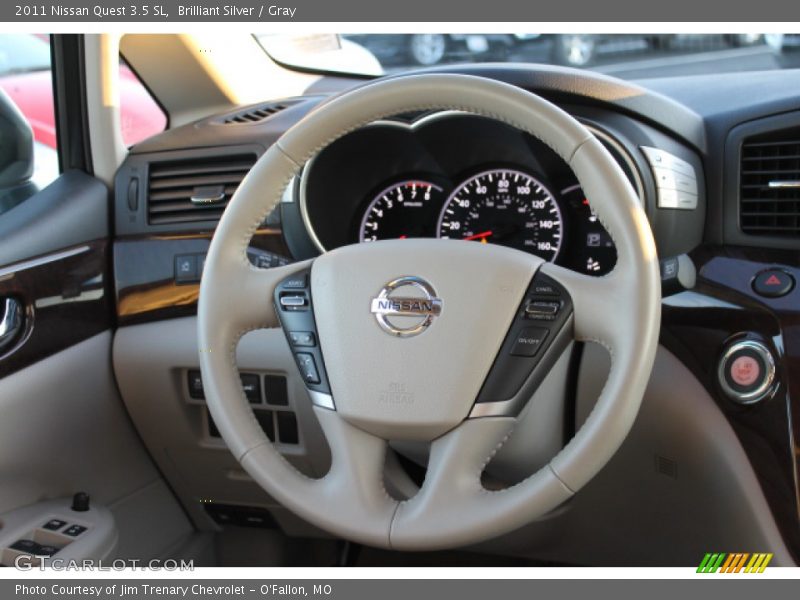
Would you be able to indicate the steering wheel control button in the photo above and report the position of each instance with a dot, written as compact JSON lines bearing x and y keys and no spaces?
{"x":545,"y":289}
{"x":773,"y":283}
{"x":54,"y":524}
{"x":251,"y":384}
{"x":297,"y":282}
{"x":295,"y":309}
{"x":308,"y":368}
{"x":302,"y":338}
{"x":186,"y":268}
{"x":294,"y":302}
{"x":542,"y":310}
{"x":529,"y":340}
{"x":534,"y":341}
{"x":74,"y":530}
{"x":746,"y":372}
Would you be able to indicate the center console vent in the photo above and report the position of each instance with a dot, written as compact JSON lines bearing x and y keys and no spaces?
{"x":193,"y":190}
{"x":770,"y":184}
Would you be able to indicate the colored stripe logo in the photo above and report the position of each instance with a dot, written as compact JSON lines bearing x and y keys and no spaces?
{"x":737,"y":562}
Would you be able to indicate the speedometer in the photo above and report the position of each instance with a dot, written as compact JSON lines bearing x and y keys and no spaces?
{"x":506,"y":207}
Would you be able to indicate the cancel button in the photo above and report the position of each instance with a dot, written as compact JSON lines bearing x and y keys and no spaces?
{"x":529,"y":339}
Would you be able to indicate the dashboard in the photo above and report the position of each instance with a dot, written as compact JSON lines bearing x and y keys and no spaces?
{"x":449,"y":174}
{"x":458,"y":176}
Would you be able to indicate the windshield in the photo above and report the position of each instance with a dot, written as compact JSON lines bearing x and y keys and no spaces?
{"x":22,"y":53}
{"x":627,"y":56}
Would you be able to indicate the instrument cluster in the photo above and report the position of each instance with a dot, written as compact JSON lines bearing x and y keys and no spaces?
{"x":454,"y":176}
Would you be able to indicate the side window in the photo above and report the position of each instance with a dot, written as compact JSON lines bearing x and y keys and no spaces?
{"x":140,"y":115}
{"x":28,"y":150}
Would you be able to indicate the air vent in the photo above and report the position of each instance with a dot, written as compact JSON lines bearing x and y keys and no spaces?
{"x":770,"y":185}
{"x":187,"y":191}
{"x":255,"y":114}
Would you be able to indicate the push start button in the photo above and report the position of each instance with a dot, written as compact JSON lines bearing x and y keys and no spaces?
{"x":746,"y":371}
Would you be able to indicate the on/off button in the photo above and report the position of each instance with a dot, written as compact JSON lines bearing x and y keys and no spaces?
{"x":529,"y":340}
{"x":745,"y":370}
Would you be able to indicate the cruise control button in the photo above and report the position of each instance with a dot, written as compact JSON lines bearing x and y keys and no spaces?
{"x":542,"y":310}
{"x":545,"y":289}
{"x":529,"y":340}
{"x":773,"y":283}
{"x":294,"y":302}
{"x":308,"y":368}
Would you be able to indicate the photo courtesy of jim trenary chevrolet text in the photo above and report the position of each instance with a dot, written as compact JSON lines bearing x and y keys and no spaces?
{"x":351,"y":299}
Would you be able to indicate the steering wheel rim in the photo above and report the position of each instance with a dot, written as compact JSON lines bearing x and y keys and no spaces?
{"x":621,"y":311}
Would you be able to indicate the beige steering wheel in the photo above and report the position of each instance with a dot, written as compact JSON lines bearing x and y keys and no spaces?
{"x":386,"y":387}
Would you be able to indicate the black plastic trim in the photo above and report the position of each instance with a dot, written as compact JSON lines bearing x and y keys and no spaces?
{"x":69,"y":95}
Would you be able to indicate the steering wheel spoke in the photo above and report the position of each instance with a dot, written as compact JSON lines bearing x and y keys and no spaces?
{"x":454,"y":507}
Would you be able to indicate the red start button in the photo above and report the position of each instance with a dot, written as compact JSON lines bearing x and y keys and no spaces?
{"x":745,"y":370}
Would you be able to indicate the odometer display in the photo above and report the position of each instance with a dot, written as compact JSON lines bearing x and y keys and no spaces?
{"x":506,"y":207}
{"x":402,"y":210}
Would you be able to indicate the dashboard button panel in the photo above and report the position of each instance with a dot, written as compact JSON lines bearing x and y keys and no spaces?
{"x":676,"y":180}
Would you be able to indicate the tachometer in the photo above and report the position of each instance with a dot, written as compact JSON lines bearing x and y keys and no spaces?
{"x":506,"y":207}
{"x":402,"y":210}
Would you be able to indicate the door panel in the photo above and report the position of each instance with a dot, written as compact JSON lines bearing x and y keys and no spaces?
{"x":63,"y":427}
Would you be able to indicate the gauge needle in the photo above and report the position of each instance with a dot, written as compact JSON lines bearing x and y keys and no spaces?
{"x":479,"y":236}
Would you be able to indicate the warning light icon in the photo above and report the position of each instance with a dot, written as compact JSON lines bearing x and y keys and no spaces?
{"x":773,"y":280}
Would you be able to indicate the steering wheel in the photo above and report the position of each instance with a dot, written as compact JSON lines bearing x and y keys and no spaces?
{"x":434,"y":340}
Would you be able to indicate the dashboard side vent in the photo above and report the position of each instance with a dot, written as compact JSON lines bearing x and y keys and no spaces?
{"x":255,"y":114}
{"x":192,"y":190}
{"x":770,"y":185}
